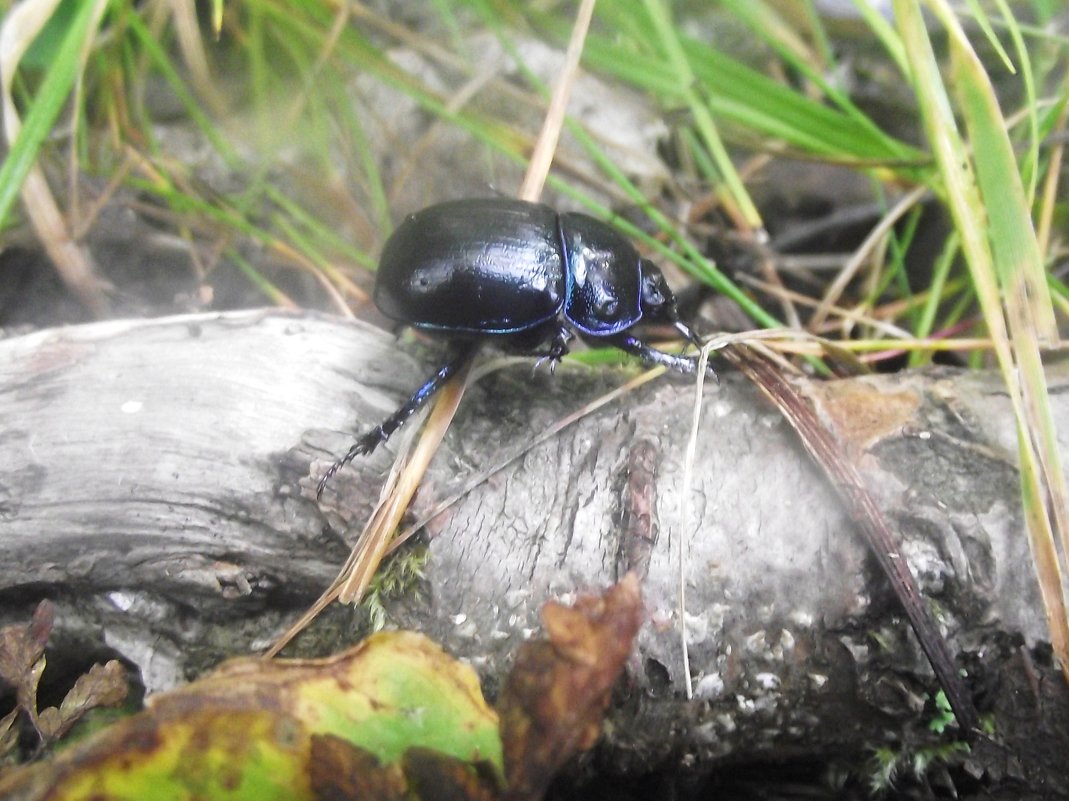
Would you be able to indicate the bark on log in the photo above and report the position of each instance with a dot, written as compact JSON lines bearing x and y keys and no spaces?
{"x":157,"y":481}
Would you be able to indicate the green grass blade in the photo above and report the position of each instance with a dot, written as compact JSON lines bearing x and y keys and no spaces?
{"x":47,"y":103}
{"x":161,"y":60}
{"x":983,"y":190}
{"x":1017,"y":259}
{"x":745,"y":98}
{"x":667,"y":33}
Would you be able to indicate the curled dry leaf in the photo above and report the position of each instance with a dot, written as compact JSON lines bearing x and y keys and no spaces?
{"x":103,"y":685}
{"x":22,"y":660}
{"x":22,"y":646}
{"x":556,"y":695}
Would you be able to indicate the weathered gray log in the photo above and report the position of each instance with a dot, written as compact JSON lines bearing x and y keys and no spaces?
{"x":157,"y":481}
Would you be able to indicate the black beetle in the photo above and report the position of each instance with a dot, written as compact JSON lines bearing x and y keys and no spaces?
{"x":522,"y":275}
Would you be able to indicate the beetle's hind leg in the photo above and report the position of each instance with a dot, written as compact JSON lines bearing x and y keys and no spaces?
{"x":650,"y":355}
{"x":459,"y":356}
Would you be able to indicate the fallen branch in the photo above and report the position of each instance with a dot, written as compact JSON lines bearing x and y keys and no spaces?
{"x":158,"y":484}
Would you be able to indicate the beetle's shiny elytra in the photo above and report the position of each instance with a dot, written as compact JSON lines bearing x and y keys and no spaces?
{"x":483,"y":267}
{"x":520,"y":274}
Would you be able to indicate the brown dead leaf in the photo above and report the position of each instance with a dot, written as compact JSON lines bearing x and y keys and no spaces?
{"x":103,"y":685}
{"x":22,"y":660}
{"x":557,"y":693}
{"x":21,"y":646}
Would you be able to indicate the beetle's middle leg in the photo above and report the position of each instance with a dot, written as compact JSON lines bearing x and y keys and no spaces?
{"x":459,"y":356}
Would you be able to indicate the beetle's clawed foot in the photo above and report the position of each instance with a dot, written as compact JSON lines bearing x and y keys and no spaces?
{"x":691,"y":368}
{"x":553,"y":358}
{"x":557,"y":351}
{"x":691,"y":336}
{"x":710,"y":372}
{"x":362,"y":447}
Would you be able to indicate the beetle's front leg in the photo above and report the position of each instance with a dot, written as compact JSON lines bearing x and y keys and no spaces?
{"x":650,"y":355}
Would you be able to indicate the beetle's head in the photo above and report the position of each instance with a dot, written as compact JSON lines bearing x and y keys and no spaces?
{"x":658,"y":302}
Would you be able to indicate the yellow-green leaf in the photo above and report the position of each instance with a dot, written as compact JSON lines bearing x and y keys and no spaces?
{"x":250,"y":730}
